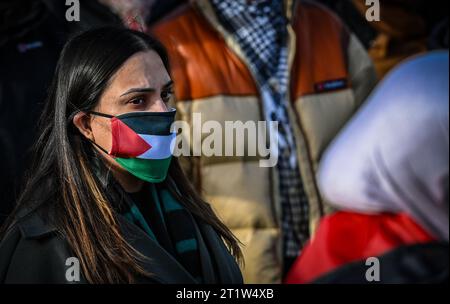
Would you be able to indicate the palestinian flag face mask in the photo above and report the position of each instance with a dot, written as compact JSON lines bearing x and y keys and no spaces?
{"x":142,"y":143}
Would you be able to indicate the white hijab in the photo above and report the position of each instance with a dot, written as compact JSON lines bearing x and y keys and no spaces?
{"x":393,"y":156}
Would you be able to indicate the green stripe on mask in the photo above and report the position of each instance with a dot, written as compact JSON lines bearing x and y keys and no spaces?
{"x":150,"y":170}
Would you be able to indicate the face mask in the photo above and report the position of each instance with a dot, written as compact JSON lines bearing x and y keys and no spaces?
{"x":142,"y":143}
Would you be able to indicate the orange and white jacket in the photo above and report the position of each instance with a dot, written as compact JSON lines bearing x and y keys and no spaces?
{"x":211,"y":77}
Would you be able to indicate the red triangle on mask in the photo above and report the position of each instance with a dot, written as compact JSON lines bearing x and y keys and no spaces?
{"x":125,"y":142}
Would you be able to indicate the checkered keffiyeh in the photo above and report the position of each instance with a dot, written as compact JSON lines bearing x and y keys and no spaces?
{"x":260,"y":29}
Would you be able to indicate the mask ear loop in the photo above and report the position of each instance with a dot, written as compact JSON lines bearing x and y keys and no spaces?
{"x":102,"y":115}
{"x":98,"y":146}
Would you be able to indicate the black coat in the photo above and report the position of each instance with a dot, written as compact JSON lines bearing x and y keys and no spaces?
{"x":34,"y":252}
{"x":410,"y":264}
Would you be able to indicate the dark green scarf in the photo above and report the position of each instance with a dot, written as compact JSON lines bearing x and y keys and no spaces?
{"x":166,"y":221}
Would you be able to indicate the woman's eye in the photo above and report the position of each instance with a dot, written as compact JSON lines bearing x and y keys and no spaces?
{"x":137,"y":101}
{"x":166,"y":95}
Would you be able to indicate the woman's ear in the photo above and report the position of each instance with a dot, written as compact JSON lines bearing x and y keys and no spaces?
{"x":83,"y":123}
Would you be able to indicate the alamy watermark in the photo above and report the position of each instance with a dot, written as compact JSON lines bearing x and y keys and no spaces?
{"x":373,"y":13}
{"x":73,"y":269}
{"x":373,"y":272}
{"x":73,"y":12}
{"x":228,"y":138}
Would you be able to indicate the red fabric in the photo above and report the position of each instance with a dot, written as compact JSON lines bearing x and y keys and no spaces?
{"x":125,"y":142}
{"x":346,"y":237}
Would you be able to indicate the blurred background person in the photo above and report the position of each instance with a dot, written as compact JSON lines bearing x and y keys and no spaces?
{"x":387,"y":173}
{"x":406,"y":28}
{"x":288,"y":61}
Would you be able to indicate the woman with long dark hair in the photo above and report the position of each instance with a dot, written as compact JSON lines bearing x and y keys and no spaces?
{"x":104,"y":192}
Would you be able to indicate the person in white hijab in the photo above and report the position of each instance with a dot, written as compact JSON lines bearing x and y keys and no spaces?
{"x":386,"y":173}
{"x":394,"y":156}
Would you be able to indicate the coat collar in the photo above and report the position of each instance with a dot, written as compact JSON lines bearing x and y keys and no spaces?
{"x":33,"y":226}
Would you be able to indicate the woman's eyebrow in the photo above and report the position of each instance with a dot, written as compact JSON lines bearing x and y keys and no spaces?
{"x":168,"y":84}
{"x":146,"y":90}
